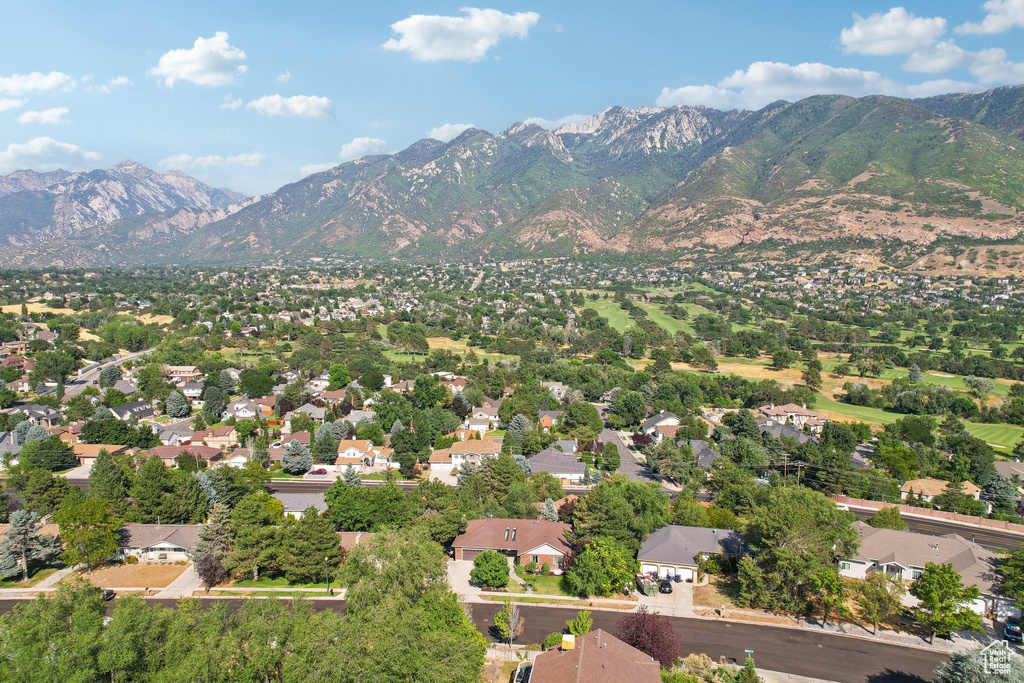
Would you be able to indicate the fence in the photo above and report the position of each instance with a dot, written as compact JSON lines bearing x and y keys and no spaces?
{"x":934,"y":514}
{"x":517,"y":654}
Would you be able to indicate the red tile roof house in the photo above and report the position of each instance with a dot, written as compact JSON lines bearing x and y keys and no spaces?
{"x":521,"y":540}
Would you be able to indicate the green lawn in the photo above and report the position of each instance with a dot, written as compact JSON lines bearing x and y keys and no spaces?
{"x":1001,"y":436}
{"x":667,"y":322}
{"x":281,"y":582}
{"x":611,"y":311}
{"x":875,"y":416}
{"x":548,"y":585}
{"x":33,"y":578}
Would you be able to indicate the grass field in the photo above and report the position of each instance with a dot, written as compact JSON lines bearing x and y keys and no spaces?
{"x":1001,"y":436}
{"x":611,"y":311}
{"x":280,"y":582}
{"x":34,"y":577}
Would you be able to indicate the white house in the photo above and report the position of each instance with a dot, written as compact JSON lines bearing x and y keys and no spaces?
{"x":159,"y":542}
{"x":472,"y":452}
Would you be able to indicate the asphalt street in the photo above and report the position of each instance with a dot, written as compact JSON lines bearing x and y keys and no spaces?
{"x":797,"y":651}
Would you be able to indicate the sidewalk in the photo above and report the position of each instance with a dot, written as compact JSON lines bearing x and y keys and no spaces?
{"x":182,"y":587}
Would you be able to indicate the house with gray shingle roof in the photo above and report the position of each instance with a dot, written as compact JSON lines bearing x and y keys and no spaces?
{"x":675,"y":550}
{"x":559,"y":465}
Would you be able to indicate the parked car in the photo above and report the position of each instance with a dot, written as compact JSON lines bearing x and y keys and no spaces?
{"x":1012,"y":632}
{"x":109,"y":594}
{"x":319,"y":470}
{"x":665,"y":586}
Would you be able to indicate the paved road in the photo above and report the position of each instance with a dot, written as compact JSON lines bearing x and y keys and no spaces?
{"x":628,"y":464}
{"x":796,"y":651}
{"x":987,"y":538}
{"x":78,"y":386}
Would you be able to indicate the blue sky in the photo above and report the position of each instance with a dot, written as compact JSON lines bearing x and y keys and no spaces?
{"x":253,"y":95}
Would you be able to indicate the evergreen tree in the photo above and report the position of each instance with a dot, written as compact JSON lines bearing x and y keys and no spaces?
{"x":108,"y":480}
{"x":325,"y":449}
{"x":35,"y":434}
{"x":214,"y":546}
{"x":1002,"y":494}
{"x":176,"y":405}
{"x":309,"y":548}
{"x":21,"y":545}
{"x":296,"y":459}
{"x":152,"y":493}
{"x":915,"y":375}
{"x":888,"y":518}
{"x":351,"y":477}
{"x":110,"y":376}
{"x":549,"y":511}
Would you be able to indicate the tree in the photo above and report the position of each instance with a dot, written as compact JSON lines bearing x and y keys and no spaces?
{"x":296,"y":459}
{"x":624,"y":510}
{"x":703,"y":358}
{"x":338,"y":377}
{"x":213,"y":403}
{"x":812,"y":375}
{"x":650,"y":633}
{"x":973,"y":667}
{"x":888,"y":518}
{"x":23,"y":545}
{"x":979,"y":387}
{"x":581,"y":624}
{"x":1012,"y":572}
{"x":581,"y":414}
{"x":213,"y":547}
{"x":549,"y":511}
{"x":110,"y":375}
{"x":402,"y":564}
{"x":351,"y":477}
{"x":309,"y":547}
{"x":830,"y":591}
{"x":783,"y":358}
{"x":610,"y":459}
{"x":915,"y":375}
{"x":254,"y":383}
{"x":490,"y":569}
{"x":796,"y":533}
{"x":428,"y":392}
{"x":744,"y":424}
{"x":176,"y":406}
{"x":89,"y":531}
{"x":879,"y":596}
{"x":325,"y":449}
{"x":508,"y":622}
{"x":51,"y":454}
{"x":52,"y":365}
{"x":945,"y":602}
{"x":603,"y":568}
{"x":1002,"y":494}
{"x":630,"y":406}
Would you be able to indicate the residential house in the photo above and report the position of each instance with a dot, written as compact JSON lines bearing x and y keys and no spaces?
{"x":309,"y":409}
{"x":88,"y":452}
{"x":905,"y":554}
{"x":265,"y":406}
{"x":334,"y":397}
{"x":356,"y":454}
{"x":39,"y":414}
{"x":704,"y":453}
{"x":547,"y":419}
{"x":456,"y":386}
{"x":927,"y":489}
{"x":196,"y":451}
{"x":521,"y":540}
{"x":137,"y":409}
{"x":159,"y":542}
{"x":357,"y":416}
{"x":176,"y":436}
{"x":181,"y":373}
{"x":675,"y":550}
{"x":651,"y":426}
{"x":790,"y":413}
{"x":556,"y":389}
{"x":596,"y":656}
{"x":128,"y":387}
{"x":296,"y":504}
{"x":217,"y":437}
{"x":302,"y":437}
{"x":560,"y":465}
{"x":241,"y":409}
{"x":786,"y":430}
{"x":472,"y":452}
{"x":191,"y":390}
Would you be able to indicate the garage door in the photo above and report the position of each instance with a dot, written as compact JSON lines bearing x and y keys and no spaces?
{"x":470,"y":554}
{"x":648,"y":569}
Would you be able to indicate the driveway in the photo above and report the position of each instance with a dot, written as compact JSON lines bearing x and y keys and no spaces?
{"x":628,"y":464}
{"x":458,"y":577}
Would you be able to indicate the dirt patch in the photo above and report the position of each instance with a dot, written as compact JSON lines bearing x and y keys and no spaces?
{"x":36,"y":307}
{"x":149,"y":319}
{"x":135,"y":575}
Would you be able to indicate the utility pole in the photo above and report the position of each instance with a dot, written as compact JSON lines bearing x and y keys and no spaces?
{"x":799,"y":470}
{"x":785,"y":468}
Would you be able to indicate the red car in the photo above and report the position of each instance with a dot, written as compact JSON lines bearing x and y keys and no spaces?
{"x":318,"y":471}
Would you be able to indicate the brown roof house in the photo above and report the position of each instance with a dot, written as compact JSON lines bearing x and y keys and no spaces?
{"x":597,"y":656}
{"x":217,"y":437}
{"x":472,"y":452}
{"x":926,"y":489}
{"x":521,"y":540}
{"x":905,"y":553}
{"x":159,"y":542}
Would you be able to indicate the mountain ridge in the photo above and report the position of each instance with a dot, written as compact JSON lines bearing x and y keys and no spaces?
{"x":653,"y":180}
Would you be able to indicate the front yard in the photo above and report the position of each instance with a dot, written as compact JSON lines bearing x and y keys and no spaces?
{"x":135,"y":575}
{"x":34,"y":578}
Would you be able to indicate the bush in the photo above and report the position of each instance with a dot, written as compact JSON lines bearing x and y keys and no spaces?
{"x":545,"y":569}
{"x":490,"y":569}
{"x":553,"y":640}
{"x":131,"y":559}
{"x":530,"y":568}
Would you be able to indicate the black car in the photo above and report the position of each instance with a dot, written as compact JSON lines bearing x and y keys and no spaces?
{"x":108,"y":594}
{"x":665,"y":586}
{"x":1012,"y":631}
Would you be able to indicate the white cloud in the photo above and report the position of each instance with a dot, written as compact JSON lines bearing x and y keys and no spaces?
{"x":991,"y":67}
{"x":210,"y":62}
{"x":110,"y":85}
{"x":557,"y":123}
{"x":937,"y":58}
{"x":896,"y":32}
{"x":360,"y":147}
{"x":45,"y":154}
{"x":6,"y":104}
{"x":231,"y":102}
{"x":432,"y":38}
{"x":184,"y":162}
{"x":46,"y":116}
{"x":1001,"y":16}
{"x":302,"y":106}
{"x":19,"y":84}
{"x":285,"y":77}
{"x":708,"y":95}
{"x":448,"y":131}
{"x":310,"y":169}
{"x":941,"y":87}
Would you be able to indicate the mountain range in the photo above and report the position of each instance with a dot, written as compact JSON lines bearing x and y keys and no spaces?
{"x":828,"y":174}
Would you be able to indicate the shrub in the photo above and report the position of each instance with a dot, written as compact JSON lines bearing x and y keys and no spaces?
{"x":131,"y":559}
{"x":545,"y":569}
{"x":530,"y":568}
{"x":552,"y":640}
{"x":490,"y":569}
